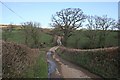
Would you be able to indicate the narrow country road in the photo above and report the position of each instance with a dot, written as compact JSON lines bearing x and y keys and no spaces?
{"x":65,"y":69}
{"x":52,"y":65}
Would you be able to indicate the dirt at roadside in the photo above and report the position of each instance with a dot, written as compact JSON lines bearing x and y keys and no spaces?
{"x":69,"y":70}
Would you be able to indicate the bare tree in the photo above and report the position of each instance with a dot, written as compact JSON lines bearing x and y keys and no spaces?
{"x":104,"y":23}
{"x":26,"y":30}
{"x":100,"y":25}
{"x":68,"y":20}
{"x":91,"y":33}
{"x":116,"y":26}
{"x":31,"y":31}
{"x":35,"y":30}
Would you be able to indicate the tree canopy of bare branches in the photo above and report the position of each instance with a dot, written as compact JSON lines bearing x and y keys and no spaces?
{"x":68,"y":20}
{"x":31,"y":31}
{"x":99,"y":23}
{"x":105,"y":23}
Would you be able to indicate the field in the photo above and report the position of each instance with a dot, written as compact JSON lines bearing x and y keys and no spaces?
{"x":77,"y":40}
{"x":80,"y":40}
{"x":18,"y":36}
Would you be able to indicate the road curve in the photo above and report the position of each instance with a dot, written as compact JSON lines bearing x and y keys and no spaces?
{"x":69,"y":70}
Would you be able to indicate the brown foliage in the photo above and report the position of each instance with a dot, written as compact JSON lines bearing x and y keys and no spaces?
{"x":16,"y":58}
{"x":109,"y":49}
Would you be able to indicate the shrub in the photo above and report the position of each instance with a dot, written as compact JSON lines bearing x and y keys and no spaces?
{"x":15,"y":59}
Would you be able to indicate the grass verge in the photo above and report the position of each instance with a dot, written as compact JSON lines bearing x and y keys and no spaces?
{"x":39,"y":69}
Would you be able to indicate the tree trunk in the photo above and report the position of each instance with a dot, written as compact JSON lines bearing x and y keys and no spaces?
{"x":65,"y":41}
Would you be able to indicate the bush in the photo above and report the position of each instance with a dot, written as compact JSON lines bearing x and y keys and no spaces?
{"x":15,"y":59}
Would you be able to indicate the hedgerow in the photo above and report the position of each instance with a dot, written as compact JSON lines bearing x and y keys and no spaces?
{"x":15,"y":59}
{"x":103,"y":62}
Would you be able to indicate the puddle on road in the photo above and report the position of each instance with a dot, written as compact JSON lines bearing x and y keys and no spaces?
{"x":51,"y":64}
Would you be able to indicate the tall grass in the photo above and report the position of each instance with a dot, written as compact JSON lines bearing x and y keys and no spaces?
{"x":39,"y":69}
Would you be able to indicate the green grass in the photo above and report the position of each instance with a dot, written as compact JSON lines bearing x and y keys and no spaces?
{"x":77,"y":40}
{"x":46,"y":38}
{"x":43,"y":66}
{"x":38,"y":70}
{"x":84,"y":42}
{"x":18,"y":37}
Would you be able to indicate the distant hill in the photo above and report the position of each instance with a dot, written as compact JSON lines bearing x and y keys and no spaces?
{"x":10,"y":25}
